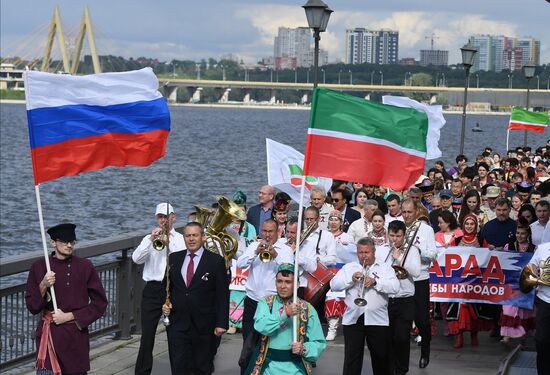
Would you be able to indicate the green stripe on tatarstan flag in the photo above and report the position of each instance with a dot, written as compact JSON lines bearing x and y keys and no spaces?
{"x":353,"y":139}
{"x":522,"y":119}
{"x":296,"y":177}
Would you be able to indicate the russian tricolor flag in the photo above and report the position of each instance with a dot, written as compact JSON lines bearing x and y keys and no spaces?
{"x":84,"y":123}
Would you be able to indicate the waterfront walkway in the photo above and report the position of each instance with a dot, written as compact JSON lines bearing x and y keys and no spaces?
{"x":118,"y":357}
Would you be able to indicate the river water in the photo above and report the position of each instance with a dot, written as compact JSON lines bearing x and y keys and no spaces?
{"x":210,"y":151}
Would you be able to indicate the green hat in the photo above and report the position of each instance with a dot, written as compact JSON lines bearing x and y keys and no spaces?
{"x":239,"y":197}
{"x":288,"y":267}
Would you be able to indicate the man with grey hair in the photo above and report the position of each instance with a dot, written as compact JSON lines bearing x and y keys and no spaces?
{"x":318,"y":198}
{"x":371,"y":279}
{"x":359,"y":228}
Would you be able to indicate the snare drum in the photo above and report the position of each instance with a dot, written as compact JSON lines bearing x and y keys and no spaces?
{"x":318,"y":284}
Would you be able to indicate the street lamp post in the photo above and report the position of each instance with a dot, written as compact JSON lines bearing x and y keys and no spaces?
{"x":173,"y":69}
{"x":198,"y":71}
{"x":317,"y":14}
{"x":295,"y":75}
{"x":468,"y":53}
{"x":350,"y":77}
{"x":223,"y":72}
{"x":372,"y":77}
{"x":381,"y":78}
{"x":538,"y":82}
{"x":477,"y":80}
{"x":529,"y":72}
{"x":339,"y":73}
{"x":324,"y":80}
{"x":307,"y":79}
{"x":443,"y":80}
{"x":510,"y":78}
{"x":270,"y":75}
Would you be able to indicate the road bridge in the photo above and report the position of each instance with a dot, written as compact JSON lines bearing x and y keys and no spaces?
{"x":493,"y":96}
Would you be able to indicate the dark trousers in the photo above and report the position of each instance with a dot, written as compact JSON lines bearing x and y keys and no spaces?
{"x":248,"y":316}
{"x":377,"y":338}
{"x":422,"y":315}
{"x":154,"y":296}
{"x":401,"y":314}
{"x":190,"y":352}
{"x":542,"y":336}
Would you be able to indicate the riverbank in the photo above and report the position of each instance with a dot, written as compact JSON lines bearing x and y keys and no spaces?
{"x":296,"y":107}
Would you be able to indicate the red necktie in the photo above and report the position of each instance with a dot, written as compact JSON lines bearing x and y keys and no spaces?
{"x":190,"y":270}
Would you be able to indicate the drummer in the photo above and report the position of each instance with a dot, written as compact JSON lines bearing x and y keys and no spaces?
{"x":320,"y":245}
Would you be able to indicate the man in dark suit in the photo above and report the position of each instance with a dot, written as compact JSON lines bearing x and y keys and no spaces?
{"x":199,"y":304}
{"x":261,"y":212}
{"x":340,"y":198}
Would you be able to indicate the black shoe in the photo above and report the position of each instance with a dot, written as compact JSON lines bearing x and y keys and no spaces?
{"x":423,"y":363}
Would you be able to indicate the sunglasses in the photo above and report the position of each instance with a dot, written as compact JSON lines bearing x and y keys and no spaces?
{"x":336,"y":200}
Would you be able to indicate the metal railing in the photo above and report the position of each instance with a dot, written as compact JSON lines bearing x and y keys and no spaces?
{"x":121,"y":279}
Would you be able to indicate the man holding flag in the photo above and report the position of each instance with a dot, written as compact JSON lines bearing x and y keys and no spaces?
{"x":62,"y":335}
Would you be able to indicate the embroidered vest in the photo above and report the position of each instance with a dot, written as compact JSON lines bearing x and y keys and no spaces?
{"x":303,"y":314}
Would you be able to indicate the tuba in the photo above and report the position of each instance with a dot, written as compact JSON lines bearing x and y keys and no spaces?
{"x":410,"y":235}
{"x":217,"y":239}
{"x":528,"y":278}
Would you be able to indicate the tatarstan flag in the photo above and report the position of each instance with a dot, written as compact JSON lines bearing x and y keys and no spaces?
{"x":352,"y":139}
{"x":522,"y":119}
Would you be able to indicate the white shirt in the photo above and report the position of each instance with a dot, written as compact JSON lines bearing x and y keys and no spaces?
{"x":261,"y":277}
{"x":196,"y":260}
{"x":359,"y":229}
{"x":545,"y":234}
{"x":346,"y":250}
{"x":309,"y":254}
{"x":388,"y":218}
{"x":412,"y":265}
{"x":537,"y":230}
{"x":376,"y":310}
{"x":155,"y":261}
{"x":425,"y":243}
{"x":541,"y":255}
{"x":324,"y":212}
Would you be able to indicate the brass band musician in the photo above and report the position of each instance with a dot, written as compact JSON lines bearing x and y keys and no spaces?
{"x":401,"y":303}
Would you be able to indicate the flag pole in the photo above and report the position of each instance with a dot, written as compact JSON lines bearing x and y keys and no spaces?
{"x":267,"y":157}
{"x":44,"y":243}
{"x":296,"y":256}
{"x":507,"y":138}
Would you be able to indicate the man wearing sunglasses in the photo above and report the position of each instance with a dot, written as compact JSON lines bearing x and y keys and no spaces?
{"x":340,"y":203}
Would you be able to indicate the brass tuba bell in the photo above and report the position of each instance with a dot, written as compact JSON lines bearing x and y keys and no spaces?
{"x":528,"y":278}
{"x":218,"y":240}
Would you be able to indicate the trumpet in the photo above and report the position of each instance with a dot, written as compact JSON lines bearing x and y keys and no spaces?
{"x":159,"y":240}
{"x":360,"y":300}
{"x":265,"y":255}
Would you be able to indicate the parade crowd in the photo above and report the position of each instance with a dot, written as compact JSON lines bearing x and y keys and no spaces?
{"x":381,"y":244}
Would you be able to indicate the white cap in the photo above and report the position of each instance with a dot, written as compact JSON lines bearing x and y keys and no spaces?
{"x":161,"y":209}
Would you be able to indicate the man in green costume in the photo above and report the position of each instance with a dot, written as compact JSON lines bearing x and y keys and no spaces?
{"x":276,"y":353}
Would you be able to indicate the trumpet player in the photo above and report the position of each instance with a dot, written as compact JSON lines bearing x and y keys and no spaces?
{"x":401,"y":303}
{"x":262,"y":258}
{"x":370,"y":279}
{"x":154,"y":270}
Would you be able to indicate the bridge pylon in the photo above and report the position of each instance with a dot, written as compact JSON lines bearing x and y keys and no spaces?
{"x":55,"y":28}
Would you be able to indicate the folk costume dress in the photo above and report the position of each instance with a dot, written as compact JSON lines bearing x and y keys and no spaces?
{"x":346,"y":251}
{"x":273,"y":354}
{"x":236,"y":297}
{"x":516,"y":321}
{"x":463,"y":316}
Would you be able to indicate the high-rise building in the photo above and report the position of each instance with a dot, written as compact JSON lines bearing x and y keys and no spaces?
{"x":372,"y":47}
{"x":497,"y":52}
{"x":388,"y":47}
{"x":434,"y":57}
{"x":292,"y":48}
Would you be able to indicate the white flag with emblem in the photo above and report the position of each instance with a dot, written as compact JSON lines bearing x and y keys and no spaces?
{"x":284,"y":171}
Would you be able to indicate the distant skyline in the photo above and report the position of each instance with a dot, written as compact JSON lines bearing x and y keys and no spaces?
{"x":172,"y":29}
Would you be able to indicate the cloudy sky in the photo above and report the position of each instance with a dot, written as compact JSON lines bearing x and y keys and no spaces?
{"x":178,"y":29}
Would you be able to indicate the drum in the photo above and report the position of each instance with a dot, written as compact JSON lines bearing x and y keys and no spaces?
{"x":318,"y":284}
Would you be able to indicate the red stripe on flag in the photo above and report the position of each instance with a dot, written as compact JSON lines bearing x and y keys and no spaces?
{"x":75,"y":156}
{"x":520,"y":126}
{"x":363,"y":162}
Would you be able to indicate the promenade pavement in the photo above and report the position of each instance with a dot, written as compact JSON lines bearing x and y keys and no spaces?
{"x":118,"y":357}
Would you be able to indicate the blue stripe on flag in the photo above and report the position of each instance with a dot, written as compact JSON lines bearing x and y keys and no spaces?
{"x":53,"y":125}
